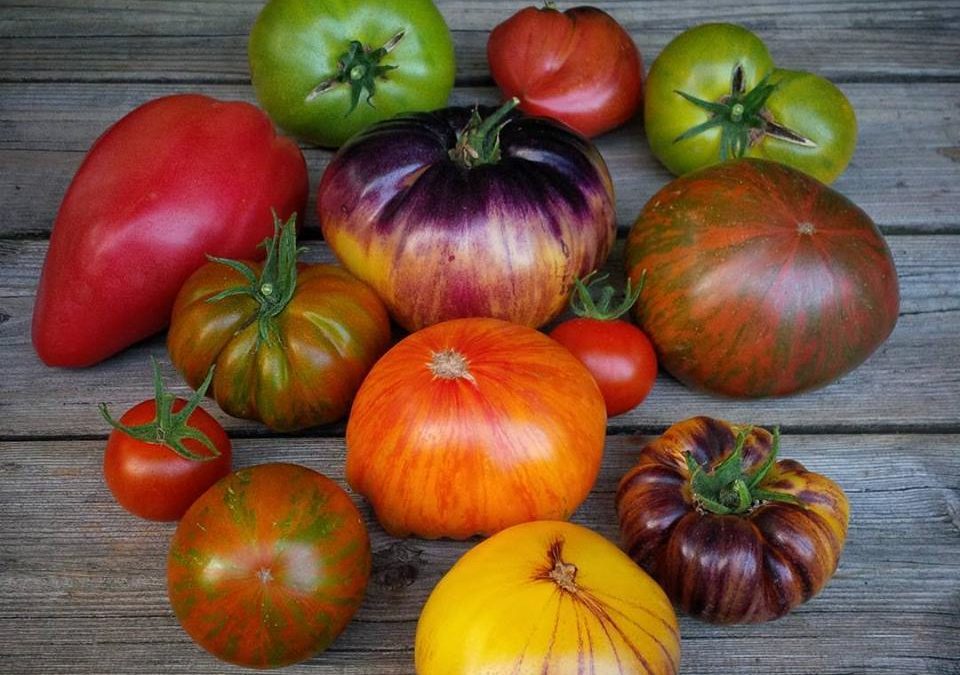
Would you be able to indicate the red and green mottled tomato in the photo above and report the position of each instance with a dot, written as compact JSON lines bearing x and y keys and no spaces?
{"x":268,"y":566}
{"x":291,"y":342}
{"x":325,"y":69}
{"x":761,"y":281}
{"x":714,"y":93}
{"x":732,"y":534}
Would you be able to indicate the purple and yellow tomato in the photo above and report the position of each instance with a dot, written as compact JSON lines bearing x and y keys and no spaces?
{"x":268,"y":566}
{"x":469,"y":212}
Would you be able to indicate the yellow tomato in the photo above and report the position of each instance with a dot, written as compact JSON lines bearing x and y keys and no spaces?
{"x":546,"y":597}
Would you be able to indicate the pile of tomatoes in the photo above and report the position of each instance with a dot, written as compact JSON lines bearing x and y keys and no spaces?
{"x":470,"y":229}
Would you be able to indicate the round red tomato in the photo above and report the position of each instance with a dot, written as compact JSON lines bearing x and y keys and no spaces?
{"x":164,"y":453}
{"x":268,"y":566}
{"x":619,"y":355}
{"x":579,"y":66}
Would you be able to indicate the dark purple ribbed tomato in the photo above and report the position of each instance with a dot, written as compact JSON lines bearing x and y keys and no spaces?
{"x":761,"y":281}
{"x":732,"y":534}
{"x":462,"y":212}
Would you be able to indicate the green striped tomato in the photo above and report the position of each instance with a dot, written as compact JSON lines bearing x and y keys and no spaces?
{"x":761,"y":281}
{"x":268,"y":566}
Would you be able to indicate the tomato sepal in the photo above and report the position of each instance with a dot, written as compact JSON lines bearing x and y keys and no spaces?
{"x":360,"y":68}
{"x":167,"y":428}
{"x":585,"y":305}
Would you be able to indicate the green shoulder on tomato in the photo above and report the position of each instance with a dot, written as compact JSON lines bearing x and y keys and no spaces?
{"x":714,"y":93}
{"x":325,"y":69}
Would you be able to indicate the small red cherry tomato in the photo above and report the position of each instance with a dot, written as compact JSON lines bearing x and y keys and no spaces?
{"x":164,"y":453}
{"x":579,"y":66}
{"x":618,"y":354}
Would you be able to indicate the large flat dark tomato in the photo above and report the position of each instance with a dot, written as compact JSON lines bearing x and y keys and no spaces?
{"x":269,"y":565}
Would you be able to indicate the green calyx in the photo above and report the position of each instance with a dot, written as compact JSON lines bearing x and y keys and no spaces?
{"x":728,"y":489}
{"x":277,"y":282}
{"x":168,"y":428}
{"x":478,"y":143}
{"x":360,"y":69}
{"x":593,"y":299}
{"x":742,"y":117}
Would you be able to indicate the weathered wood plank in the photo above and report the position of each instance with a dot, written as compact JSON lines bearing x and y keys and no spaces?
{"x":905,"y":173}
{"x":82,"y":583}
{"x":911,"y":383}
{"x":181,"y":41}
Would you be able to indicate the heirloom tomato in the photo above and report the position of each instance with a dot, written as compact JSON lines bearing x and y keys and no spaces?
{"x":731,"y":533}
{"x":618,"y":354}
{"x":761,"y":281}
{"x":268,"y":566}
{"x":469,"y":212}
{"x":325,"y":69}
{"x":291,"y":342}
{"x":546,"y":597}
{"x":164,"y":453}
{"x":178,"y":178}
{"x":713,"y":93}
{"x":473,"y":425}
{"x":579,"y":66}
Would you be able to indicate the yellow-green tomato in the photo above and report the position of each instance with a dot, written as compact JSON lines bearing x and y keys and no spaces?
{"x":325,"y":69}
{"x":546,"y":597}
{"x":714,"y":93}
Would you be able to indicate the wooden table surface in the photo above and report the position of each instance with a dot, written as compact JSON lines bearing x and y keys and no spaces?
{"x":82,"y":584}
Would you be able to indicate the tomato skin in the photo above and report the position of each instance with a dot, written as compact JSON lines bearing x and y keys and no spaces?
{"x":268,"y":566}
{"x":546,"y":597}
{"x":515,"y":433}
{"x":579,"y":66}
{"x":729,"y":568}
{"x":761,"y":281}
{"x":699,"y":62}
{"x":296,"y":44}
{"x":618,"y":355}
{"x":151,"y":480}
{"x":176,"y":179}
{"x":328,"y":336}
{"x":440,"y":241}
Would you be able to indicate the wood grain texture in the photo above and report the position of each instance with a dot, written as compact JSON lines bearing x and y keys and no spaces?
{"x":905,"y":172}
{"x":40,"y":401}
{"x":83,"y":583}
{"x":182,"y":41}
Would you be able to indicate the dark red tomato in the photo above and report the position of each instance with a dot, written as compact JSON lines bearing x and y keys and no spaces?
{"x":176,"y":179}
{"x":268,"y":566}
{"x":579,"y":66}
{"x":619,"y":355}
{"x":164,"y":453}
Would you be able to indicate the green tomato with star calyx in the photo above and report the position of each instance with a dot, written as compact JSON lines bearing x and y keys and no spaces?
{"x":326,"y":69}
{"x":714,"y":94}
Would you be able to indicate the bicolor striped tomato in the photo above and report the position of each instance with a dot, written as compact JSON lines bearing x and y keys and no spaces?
{"x":761,"y":281}
{"x":473,"y":425}
{"x":291,"y":342}
{"x":732,"y":534}
{"x":268,"y":566}
{"x":462,"y":212}
{"x":546,"y":597}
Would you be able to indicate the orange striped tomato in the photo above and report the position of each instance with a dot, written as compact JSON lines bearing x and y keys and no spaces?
{"x":546,"y":597}
{"x":473,"y":425}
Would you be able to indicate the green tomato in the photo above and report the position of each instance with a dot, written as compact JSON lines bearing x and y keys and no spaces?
{"x":326,"y":69}
{"x":713,"y":93}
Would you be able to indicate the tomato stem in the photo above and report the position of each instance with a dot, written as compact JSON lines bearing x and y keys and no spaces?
{"x":728,"y":489}
{"x":167,"y":428}
{"x":449,"y":364}
{"x":278,"y":279}
{"x":592,"y":299}
{"x":478,"y":143}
